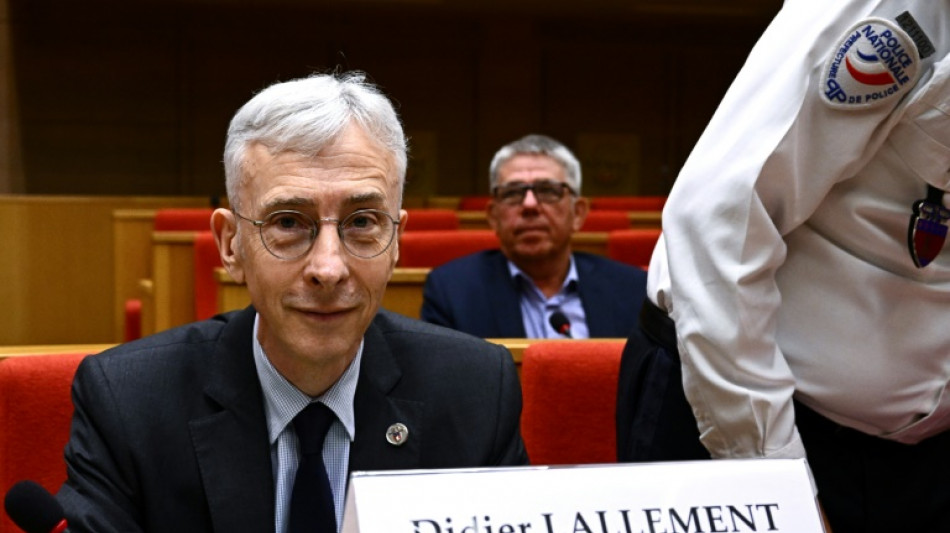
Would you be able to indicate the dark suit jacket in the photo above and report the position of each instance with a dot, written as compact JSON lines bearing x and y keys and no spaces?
{"x":169,"y":432}
{"x":476,"y":294}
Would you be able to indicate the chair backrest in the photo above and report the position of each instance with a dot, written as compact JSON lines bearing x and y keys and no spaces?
{"x":206,"y":288}
{"x":606,"y":220}
{"x":632,"y":246}
{"x":473,"y":203}
{"x":132,"y":315}
{"x":183,"y":219}
{"x":435,"y":247}
{"x":425,"y":219}
{"x":570,"y":397}
{"x":628,"y":203}
{"x":35,"y":414}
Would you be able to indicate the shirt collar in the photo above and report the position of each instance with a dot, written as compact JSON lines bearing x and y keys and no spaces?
{"x":282,"y":400}
{"x":527,"y":284}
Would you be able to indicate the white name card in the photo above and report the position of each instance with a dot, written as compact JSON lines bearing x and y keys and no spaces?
{"x":722,"y":496}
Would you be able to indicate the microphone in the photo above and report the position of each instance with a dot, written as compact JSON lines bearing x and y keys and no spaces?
{"x":560,"y":323}
{"x":34,"y":509}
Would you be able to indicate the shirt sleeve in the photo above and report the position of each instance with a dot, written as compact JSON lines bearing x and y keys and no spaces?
{"x":769,"y":156}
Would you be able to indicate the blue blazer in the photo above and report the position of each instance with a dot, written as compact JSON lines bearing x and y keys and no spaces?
{"x":476,"y":294}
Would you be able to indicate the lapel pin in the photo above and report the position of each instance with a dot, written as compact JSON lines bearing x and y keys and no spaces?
{"x":397,"y":434}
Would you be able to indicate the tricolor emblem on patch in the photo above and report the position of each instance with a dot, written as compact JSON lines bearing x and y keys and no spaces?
{"x":873,"y":63}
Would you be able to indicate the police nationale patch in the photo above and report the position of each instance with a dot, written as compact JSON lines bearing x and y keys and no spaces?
{"x":873,"y":63}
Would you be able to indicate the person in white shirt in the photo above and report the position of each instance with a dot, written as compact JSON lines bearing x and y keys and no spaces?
{"x":802,"y":263}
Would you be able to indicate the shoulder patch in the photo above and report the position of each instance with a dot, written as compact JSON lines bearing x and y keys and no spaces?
{"x":873,"y":63}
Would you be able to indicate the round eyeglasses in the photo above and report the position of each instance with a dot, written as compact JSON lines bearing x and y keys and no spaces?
{"x":546,"y":191}
{"x":289,"y":234}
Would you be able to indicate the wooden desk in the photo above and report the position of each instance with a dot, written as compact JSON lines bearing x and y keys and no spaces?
{"x":51,"y":349}
{"x":594,"y":242}
{"x":403,"y":294}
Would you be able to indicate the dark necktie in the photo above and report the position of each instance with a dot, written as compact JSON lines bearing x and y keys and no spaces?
{"x":311,"y":503}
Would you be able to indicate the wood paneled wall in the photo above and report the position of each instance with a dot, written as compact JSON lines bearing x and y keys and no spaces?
{"x":134,"y":97}
{"x":56,"y":266}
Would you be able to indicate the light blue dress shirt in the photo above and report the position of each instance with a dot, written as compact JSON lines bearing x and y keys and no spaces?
{"x":282,"y":402}
{"x":536,"y":309}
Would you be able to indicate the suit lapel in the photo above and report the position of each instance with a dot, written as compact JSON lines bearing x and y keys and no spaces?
{"x":505,"y":302}
{"x":231,"y":443}
{"x":594,"y":298}
{"x":376,"y":410}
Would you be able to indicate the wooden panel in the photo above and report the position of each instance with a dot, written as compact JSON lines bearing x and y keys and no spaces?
{"x":58,"y":266}
{"x":173,"y":280}
{"x":145,"y":114}
{"x":132,"y":259}
{"x":51,"y":349}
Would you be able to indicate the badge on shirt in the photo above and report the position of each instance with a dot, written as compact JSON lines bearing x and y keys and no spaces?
{"x":873,"y":63}
{"x":928,"y":228}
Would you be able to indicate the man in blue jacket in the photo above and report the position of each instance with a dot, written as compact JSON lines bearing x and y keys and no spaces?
{"x":535,"y":286}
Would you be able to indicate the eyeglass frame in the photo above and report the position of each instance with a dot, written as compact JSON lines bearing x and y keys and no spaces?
{"x":315,"y":230}
{"x":523,"y":188}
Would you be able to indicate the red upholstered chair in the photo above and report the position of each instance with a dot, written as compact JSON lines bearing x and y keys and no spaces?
{"x":206,"y":288}
{"x":183,"y":219}
{"x":570,"y":395}
{"x":432,"y":219}
{"x":473,"y":203}
{"x":628,"y":203}
{"x":35,"y":414}
{"x":433,"y":248}
{"x":606,"y":220}
{"x":632,"y":246}
{"x":133,"y":319}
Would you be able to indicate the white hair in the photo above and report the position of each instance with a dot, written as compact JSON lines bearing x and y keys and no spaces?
{"x":535,"y":144}
{"x":305,"y":115}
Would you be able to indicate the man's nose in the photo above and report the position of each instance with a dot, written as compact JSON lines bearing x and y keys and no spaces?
{"x":530,"y":200}
{"x":326,"y":262}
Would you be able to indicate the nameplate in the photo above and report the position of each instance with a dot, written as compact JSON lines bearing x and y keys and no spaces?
{"x":721,"y":496}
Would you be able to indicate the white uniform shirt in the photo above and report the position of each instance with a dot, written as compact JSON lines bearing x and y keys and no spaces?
{"x":784,"y":260}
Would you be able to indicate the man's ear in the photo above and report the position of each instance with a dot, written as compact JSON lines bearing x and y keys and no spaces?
{"x":224,"y":227}
{"x":581,"y":208}
{"x":403,"y":217}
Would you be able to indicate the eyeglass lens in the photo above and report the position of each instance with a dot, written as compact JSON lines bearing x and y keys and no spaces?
{"x":365,"y":233}
{"x":547,"y":192}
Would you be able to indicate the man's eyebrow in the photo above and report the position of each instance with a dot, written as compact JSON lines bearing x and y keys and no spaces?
{"x":365,"y":198}
{"x":372,"y":197}
{"x":287,"y":203}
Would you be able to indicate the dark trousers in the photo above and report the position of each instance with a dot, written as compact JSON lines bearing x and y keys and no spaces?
{"x":865,"y":484}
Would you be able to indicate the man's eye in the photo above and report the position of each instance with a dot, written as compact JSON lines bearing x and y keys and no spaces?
{"x":513,"y":192}
{"x":288,"y":221}
{"x":363,"y":221}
